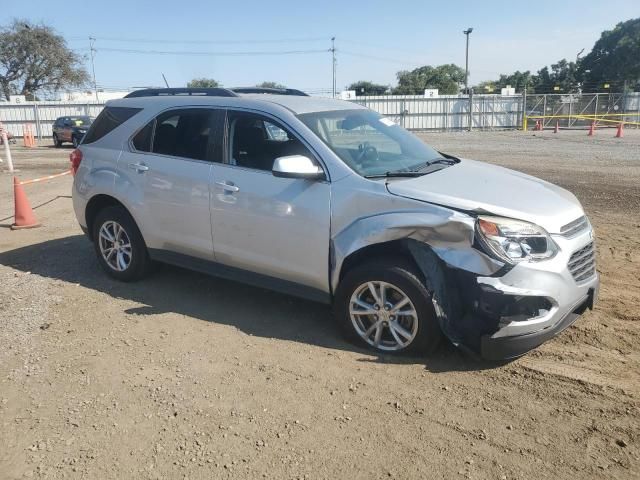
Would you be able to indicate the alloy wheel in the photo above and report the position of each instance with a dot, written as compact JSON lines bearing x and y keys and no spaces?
{"x":115,"y":246}
{"x":383,"y":315}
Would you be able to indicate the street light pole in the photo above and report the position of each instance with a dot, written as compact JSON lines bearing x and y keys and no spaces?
{"x":92,"y":50}
{"x":467,"y":32}
{"x":333,"y":62}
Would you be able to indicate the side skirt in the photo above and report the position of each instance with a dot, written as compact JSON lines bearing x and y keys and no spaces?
{"x":239,"y":275}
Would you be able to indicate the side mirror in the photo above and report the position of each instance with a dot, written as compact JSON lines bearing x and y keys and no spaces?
{"x":297,"y":166}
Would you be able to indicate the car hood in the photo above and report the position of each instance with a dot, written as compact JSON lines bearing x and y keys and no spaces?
{"x":483,"y":188}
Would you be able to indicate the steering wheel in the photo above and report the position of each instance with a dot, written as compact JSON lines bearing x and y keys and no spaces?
{"x":367,"y":153}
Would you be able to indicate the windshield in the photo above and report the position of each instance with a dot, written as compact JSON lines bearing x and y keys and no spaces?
{"x":370,"y":144}
{"x":81,"y":121}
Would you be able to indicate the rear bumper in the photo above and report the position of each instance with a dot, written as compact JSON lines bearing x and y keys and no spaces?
{"x":504,"y":348}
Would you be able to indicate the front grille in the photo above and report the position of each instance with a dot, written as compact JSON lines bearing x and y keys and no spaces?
{"x":573,"y":228}
{"x":582,"y":263}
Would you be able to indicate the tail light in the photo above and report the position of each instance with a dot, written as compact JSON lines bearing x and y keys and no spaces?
{"x":75,"y":157}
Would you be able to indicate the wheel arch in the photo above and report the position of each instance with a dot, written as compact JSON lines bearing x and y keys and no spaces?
{"x":98,"y":203}
{"x":393,"y":248}
{"x":437,"y":276}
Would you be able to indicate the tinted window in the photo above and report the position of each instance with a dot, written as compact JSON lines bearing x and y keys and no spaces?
{"x":142,"y":140}
{"x":184,"y":133}
{"x":109,"y":118}
{"x":255,"y":141}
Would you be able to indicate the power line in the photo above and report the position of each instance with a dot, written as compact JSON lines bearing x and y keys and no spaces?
{"x":209,"y":42}
{"x":220,"y":54}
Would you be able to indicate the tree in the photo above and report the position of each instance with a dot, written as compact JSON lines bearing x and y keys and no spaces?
{"x":518,"y":80}
{"x":615,"y":57}
{"x":203,"y":83}
{"x":34,"y":58}
{"x":564,"y":77}
{"x":270,"y":85}
{"x":364,"y":87}
{"x":446,"y":78}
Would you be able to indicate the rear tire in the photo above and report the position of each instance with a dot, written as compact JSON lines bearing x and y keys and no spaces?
{"x":75,"y":142}
{"x":389,"y":290}
{"x":119,"y":245}
{"x":56,"y":142}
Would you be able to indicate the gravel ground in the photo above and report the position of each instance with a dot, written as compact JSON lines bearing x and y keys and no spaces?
{"x":187,"y":376}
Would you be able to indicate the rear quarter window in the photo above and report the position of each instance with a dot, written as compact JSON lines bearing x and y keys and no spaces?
{"x":109,"y":119}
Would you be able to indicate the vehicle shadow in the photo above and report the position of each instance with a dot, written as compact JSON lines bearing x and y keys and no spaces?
{"x":254,"y":311}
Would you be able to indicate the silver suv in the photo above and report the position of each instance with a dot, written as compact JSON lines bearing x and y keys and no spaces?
{"x":328,"y":200}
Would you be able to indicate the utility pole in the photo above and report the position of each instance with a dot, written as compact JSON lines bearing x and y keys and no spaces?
{"x":333,"y":54}
{"x":467,"y":32}
{"x":93,"y":67}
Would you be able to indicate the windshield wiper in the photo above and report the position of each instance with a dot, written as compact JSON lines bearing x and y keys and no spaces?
{"x":446,"y":161}
{"x":436,"y":161}
{"x":395,"y":174}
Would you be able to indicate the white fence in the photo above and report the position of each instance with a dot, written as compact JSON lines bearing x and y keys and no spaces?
{"x":41,"y":115}
{"x":412,"y":112}
{"x":449,"y":112}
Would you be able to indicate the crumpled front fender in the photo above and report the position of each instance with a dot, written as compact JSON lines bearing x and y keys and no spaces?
{"x":450,"y":234}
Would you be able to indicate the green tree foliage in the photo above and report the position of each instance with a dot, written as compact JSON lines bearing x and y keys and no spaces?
{"x":364,"y":87}
{"x":615,"y":57}
{"x":446,"y":78}
{"x":564,"y":77}
{"x":270,"y":85}
{"x":203,"y":83}
{"x":33,"y":58}
{"x":614,"y":60}
{"x":518,"y":80}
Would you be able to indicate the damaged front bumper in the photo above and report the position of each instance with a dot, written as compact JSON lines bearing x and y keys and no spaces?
{"x":509,"y":315}
{"x":494,"y":347}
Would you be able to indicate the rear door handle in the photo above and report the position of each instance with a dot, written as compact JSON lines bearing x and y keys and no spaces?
{"x":229,"y":187}
{"x":138,"y":167}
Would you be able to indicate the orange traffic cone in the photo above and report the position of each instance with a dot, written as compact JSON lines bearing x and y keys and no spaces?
{"x":592,"y":129}
{"x":24,"y":217}
{"x":557,"y":129}
{"x":620,"y":132}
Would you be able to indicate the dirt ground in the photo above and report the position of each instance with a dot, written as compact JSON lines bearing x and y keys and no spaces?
{"x":187,"y":376}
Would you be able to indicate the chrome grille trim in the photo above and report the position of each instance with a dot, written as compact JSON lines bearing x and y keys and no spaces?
{"x":582,"y":263}
{"x":571,"y":229}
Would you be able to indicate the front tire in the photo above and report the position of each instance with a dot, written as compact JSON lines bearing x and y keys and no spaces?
{"x":385,"y":306}
{"x":119,"y":245}
{"x":56,"y":141}
{"x":75,"y":142}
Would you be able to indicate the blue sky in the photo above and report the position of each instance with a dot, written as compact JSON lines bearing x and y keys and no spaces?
{"x":374,"y":39}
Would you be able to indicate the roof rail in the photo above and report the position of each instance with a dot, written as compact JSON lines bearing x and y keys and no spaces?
{"x":272,"y":91}
{"x":159,"y":92}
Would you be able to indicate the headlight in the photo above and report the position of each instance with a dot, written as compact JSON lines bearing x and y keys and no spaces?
{"x":514,"y":241}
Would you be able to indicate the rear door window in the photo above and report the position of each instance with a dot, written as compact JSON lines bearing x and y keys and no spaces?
{"x":185,"y":133}
{"x":108,"y":120}
{"x":142,"y":140}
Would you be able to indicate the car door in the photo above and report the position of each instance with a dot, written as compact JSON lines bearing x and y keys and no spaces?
{"x":55,"y":129}
{"x":278,"y":227}
{"x":67,"y":130}
{"x":170,"y":165}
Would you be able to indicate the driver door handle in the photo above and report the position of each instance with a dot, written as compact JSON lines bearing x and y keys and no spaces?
{"x":138,"y":167}
{"x":229,"y":187}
